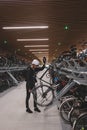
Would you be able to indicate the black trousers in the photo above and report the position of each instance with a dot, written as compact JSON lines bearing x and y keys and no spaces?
{"x":28,"y":97}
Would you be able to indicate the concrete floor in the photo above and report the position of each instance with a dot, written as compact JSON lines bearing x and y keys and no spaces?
{"x":13,"y":114}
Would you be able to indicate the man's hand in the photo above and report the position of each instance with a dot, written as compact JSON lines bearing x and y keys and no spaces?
{"x":44,"y":60}
{"x":30,"y":90}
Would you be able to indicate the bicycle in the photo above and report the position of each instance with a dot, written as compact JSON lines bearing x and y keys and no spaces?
{"x":43,"y":98}
{"x":81,"y":122}
{"x":46,"y":94}
{"x":46,"y":91}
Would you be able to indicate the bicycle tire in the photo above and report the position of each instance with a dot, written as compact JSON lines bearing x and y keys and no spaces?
{"x":81,"y":122}
{"x":45,"y":95}
{"x":73,"y":115}
{"x":65,"y":107}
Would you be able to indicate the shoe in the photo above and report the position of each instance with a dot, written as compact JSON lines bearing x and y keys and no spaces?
{"x":29,"y":110}
{"x":37,"y":109}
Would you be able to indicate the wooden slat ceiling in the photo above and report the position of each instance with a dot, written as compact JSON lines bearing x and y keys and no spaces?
{"x":53,"y":13}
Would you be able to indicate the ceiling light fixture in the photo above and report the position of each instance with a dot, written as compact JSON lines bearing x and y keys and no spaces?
{"x":36,"y":46}
{"x":26,"y":27}
{"x":23,"y":40}
{"x":39,"y":50}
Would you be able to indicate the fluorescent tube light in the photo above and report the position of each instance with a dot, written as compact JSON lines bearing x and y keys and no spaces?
{"x":26,"y":27}
{"x":23,"y":40}
{"x":40,"y":54}
{"x":36,"y":46}
{"x":39,"y":50}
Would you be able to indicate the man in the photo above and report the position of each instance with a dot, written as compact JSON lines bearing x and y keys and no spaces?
{"x":30,"y":82}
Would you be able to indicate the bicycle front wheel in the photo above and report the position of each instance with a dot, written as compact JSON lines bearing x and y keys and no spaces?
{"x":73,"y":114}
{"x":81,"y":122}
{"x":43,"y":95}
{"x":65,"y":107}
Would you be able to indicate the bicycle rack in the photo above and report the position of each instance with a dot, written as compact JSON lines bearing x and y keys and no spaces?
{"x":13,"y":78}
{"x":14,"y":68}
{"x":8,"y":70}
{"x":75,"y":75}
{"x":60,"y":94}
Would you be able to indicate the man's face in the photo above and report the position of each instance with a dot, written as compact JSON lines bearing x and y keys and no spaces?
{"x":35,"y":66}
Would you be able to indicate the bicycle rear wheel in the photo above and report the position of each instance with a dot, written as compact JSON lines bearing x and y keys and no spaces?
{"x":81,"y":122}
{"x":43,"y":95}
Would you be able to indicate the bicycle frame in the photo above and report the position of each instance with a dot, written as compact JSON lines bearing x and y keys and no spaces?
{"x":42,"y":80}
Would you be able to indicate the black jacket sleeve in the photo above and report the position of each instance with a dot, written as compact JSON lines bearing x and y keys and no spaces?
{"x":29,"y":79}
{"x":39,"y":68}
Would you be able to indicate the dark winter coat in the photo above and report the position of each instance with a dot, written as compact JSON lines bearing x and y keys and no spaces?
{"x":31,"y":76}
